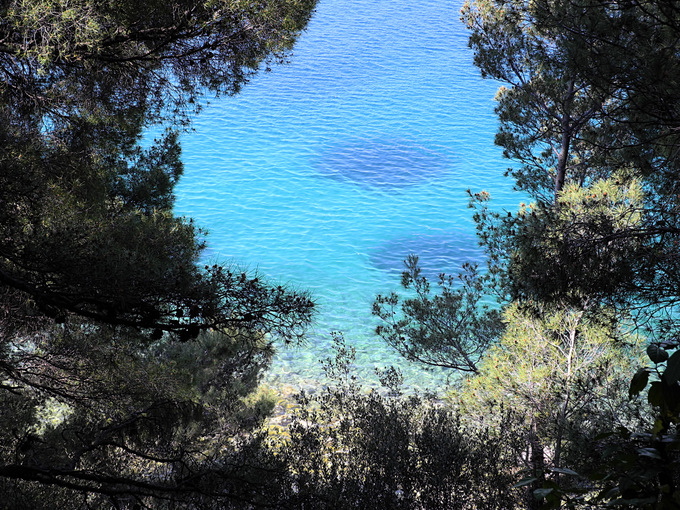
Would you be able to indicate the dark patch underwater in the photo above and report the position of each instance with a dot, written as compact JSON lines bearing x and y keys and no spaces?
{"x":382,"y":163}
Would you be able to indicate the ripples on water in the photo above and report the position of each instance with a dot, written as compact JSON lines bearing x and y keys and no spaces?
{"x":388,"y":164}
{"x":327,"y":172}
{"x":437,"y":253}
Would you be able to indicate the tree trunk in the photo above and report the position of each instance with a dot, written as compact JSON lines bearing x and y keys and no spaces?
{"x":537,"y":462}
{"x":567,"y":134}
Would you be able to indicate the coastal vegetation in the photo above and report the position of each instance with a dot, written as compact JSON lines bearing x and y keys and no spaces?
{"x":130,"y":371}
{"x":127,"y":369}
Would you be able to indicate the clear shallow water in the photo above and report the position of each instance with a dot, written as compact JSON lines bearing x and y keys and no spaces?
{"x":325,"y":173}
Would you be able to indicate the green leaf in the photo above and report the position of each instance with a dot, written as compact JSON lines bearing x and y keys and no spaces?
{"x":565,"y":471}
{"x":658,"y":426}
{"x":655,"y":395}
{"x":542,"y":493}
{"x":652,"y":453}
{"x":639,"y":382}
{"x":656,"y":353}
{"x":672,"y":372}
{"x":524,"y":482}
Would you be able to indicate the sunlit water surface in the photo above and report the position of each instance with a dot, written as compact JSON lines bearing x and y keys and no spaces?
{"x":326,"y":173}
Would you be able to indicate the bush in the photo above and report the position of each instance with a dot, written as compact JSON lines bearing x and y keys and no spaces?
{"x":354,"y":449}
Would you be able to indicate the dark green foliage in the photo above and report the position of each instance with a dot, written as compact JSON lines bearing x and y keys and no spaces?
{"x":126,"y":369}
{"x":93,"y":416}
{"x":591,"y":116}
{"x":349,"y":448}
{"x":590,"y":113}
{"x":590,"y":87}
{"x":85,"y":207}
{"x":451,"y":328}
{"x":640,"y":468}
{"x":591,"y":248}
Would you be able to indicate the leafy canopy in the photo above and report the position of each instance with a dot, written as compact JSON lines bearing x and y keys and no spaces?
{"x":127,"y":369}
{"x":589,"y":112}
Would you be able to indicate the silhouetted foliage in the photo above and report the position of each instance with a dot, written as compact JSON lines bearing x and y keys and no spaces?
{"x":451,"y":328}
{"x":127,"y":369}
{"x":590,"y":113}
{"x":349,"y":448}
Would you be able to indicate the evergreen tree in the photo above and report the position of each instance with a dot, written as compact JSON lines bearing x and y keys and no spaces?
{"x":451,"y":328}
{"x":602,"y":230}
{"x":126,"y":365}
{"x":590,"y":102}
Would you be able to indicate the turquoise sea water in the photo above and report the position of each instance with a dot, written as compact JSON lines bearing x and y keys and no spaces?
{"x":325,"y":173}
